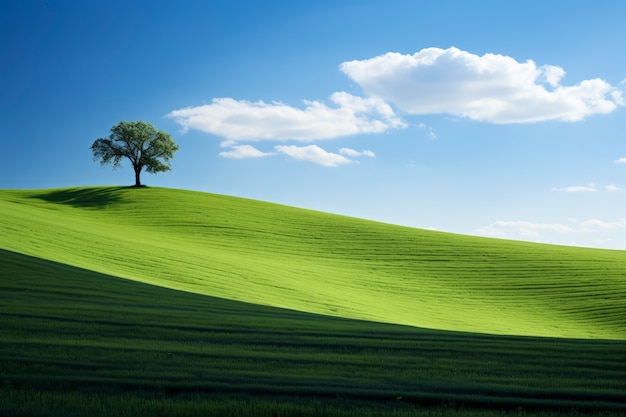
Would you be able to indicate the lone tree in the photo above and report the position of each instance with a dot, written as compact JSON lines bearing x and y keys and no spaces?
{"x":141,"y":143}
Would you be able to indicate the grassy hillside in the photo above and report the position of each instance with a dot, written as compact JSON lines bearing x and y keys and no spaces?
{"x":280,"y":256}
{"x":79,"y":343}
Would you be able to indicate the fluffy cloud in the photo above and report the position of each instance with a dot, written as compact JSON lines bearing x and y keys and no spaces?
{"x":492,"y":88}
{"x":237,"y":120}
{"x":313,"y":153}
{"x":244,"y":151}
{"x":620,"y":161}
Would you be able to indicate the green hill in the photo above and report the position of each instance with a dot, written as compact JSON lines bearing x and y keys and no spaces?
{"x":79,"y":343}
{"x":315,"y":262}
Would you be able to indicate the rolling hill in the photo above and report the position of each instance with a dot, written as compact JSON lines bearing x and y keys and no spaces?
{"x":273,"y":255}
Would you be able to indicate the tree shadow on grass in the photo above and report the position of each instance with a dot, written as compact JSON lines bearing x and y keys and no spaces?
{"x":95,"y":197}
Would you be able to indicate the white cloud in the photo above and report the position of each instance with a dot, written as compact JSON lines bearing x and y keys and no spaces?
{"x":620,"y":161}
{"x":524,"y":229}
{"x":313,"y":153}
{"x":492,"y":88}
{"x":237,"y":120}
{"x":244,"y":151}
{"x":590,"y":188}
{"x":595,"y":224}
{"x":591,"y":232}
{"x":431,"y":133}
{"x":355,"y":154}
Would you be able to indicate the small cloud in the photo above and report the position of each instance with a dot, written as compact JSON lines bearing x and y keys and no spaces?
{"x":526,"y":230}
{"x":590,"y":188}
{"x":597,"y":232}
{"x":431,"y":133}
{"x":228,"y":143}
{"x":490,"y":231}
{"x":620,"y":161}
{"x":595,"y":224}
{"x":313,"y":153}
{"x":492,"y":88}
{"x":244,"y":151}
{"x":355,"y":154}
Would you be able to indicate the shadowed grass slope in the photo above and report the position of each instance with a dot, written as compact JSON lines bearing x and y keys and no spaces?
{"x":281,"y":256}
{"x":76,"y":342}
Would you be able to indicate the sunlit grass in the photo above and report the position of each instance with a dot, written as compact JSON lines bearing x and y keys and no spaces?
{"x":309,"y":261}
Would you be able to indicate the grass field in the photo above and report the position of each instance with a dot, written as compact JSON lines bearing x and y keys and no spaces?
{"x":309,"y":261}
{"x":237,"y":307}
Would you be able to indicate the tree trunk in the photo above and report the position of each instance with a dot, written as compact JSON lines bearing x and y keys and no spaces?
{"x":137,"y":181}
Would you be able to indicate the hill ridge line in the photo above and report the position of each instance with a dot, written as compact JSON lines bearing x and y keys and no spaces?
{"x":282,"y":256}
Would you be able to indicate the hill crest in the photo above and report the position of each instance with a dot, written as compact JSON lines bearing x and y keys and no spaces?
{"x":317,"y":262}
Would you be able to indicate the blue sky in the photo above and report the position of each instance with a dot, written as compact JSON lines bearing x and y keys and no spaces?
{"x":485,"y":118}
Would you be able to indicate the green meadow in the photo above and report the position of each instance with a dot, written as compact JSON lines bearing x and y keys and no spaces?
{"x":150,"y":301}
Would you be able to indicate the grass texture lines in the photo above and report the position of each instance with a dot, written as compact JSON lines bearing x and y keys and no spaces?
{"x":77,"y":342}
{"x":315,"y":262}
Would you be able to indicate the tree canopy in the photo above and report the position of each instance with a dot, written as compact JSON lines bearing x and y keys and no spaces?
{"x":140,"y":142}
